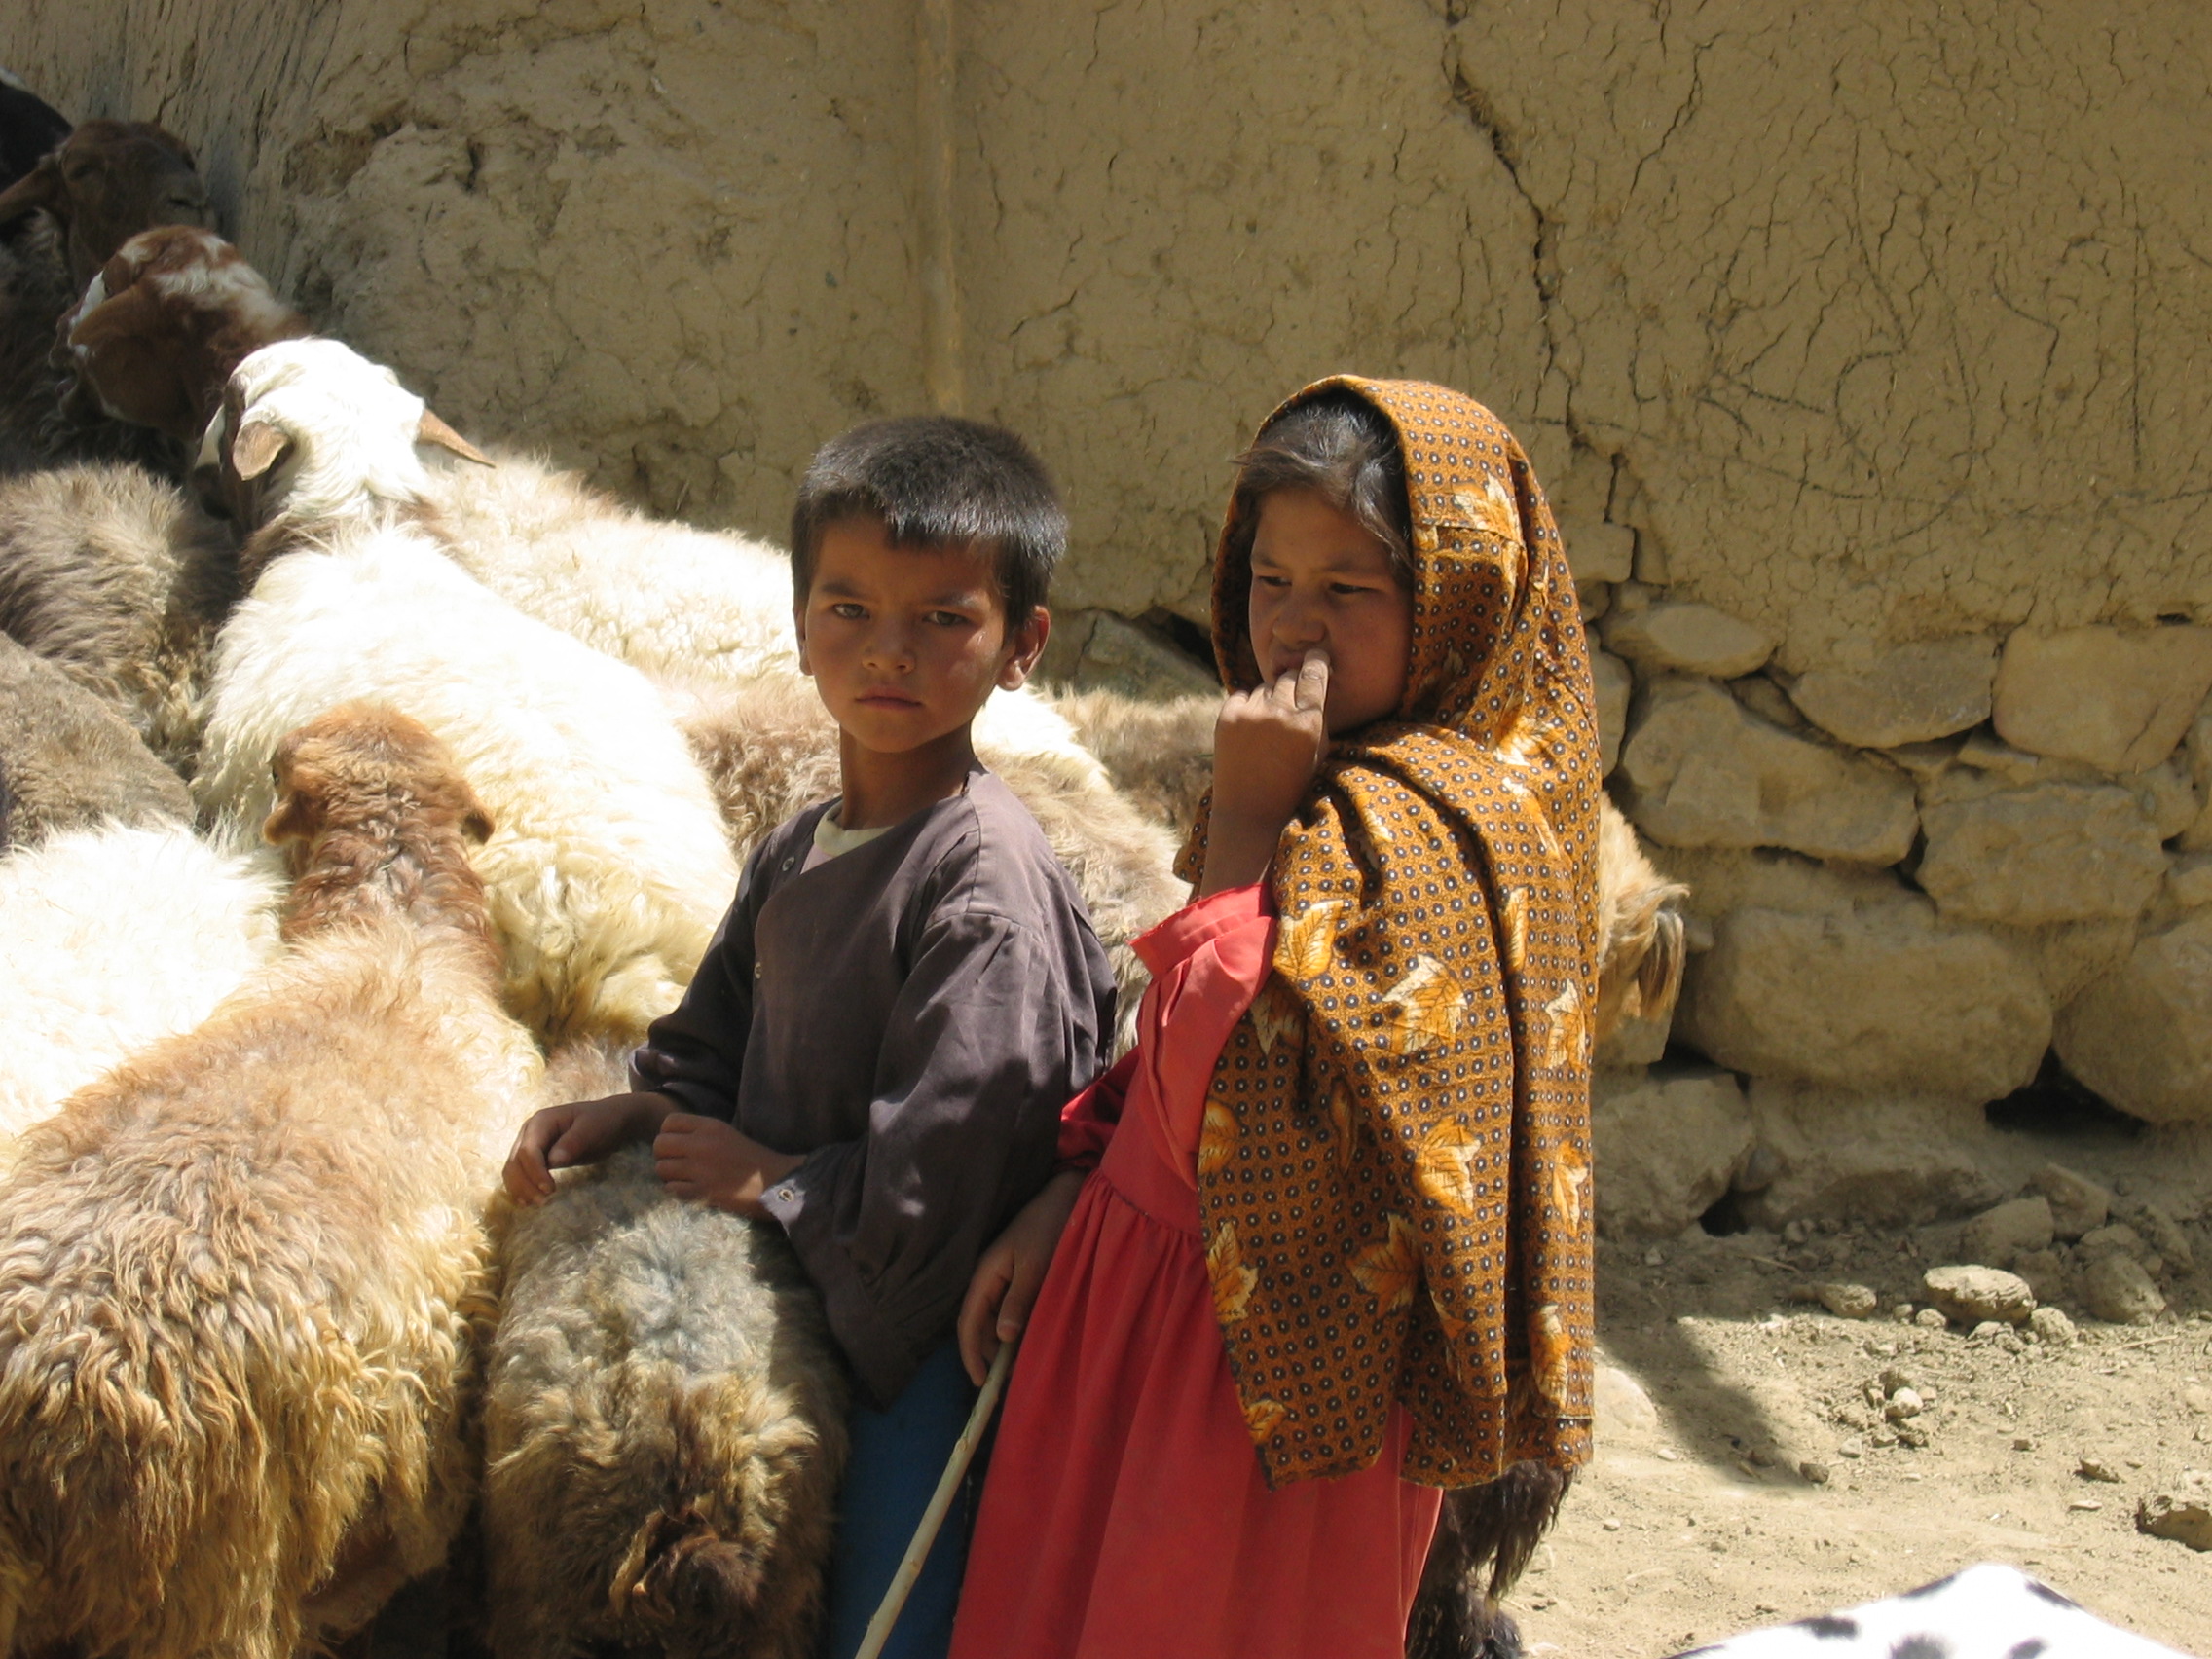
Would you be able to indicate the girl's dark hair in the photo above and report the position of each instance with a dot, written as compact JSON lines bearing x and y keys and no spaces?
{"x":1343,"y":447}
{"x":939,"y":481}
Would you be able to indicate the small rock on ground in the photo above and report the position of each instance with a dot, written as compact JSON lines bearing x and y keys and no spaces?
{"x":1972,"y":1294}
{"x":2117,"y":1290}
{"x":2184,"y":1515}
{"x":1847,"y":1301}
{"x":2051,"y":1325}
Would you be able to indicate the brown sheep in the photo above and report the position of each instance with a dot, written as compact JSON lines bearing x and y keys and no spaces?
{"x":244,"y":1278}
{"x":161,"y":327}
{"x":106,"y":182}
{"x":103,"y":184}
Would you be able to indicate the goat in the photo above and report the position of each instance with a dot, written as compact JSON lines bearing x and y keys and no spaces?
{"x":29,"y":128}
{"x":161,"y":327}
{"x":609,"y":873}
{"x":244,"y":1278}
{"x":664,"y":1422}
{"x":111,"y":938}
{"x":102,"y":185}
{"x":70,"y":761}
{"x":111,"y":574}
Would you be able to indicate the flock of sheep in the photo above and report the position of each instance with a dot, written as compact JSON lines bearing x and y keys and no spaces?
{"x":360,"y":793}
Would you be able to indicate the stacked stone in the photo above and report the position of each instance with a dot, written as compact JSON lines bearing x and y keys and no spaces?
{"x":1912,"y":875}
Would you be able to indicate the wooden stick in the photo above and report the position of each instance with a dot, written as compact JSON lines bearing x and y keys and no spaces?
{"x":941,"y":1504}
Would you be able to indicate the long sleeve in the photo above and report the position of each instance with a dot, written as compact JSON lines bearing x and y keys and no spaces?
{"x":695,"y":1052}
{"x":1208,"y":961}
{"x":1087,"y":1123}
{"x":981,"y":1049}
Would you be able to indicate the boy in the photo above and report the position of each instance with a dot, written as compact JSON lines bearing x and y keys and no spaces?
{"x":876,"y":1047}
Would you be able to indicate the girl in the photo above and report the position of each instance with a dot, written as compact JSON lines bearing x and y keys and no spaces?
{"x":1336,"y":1253}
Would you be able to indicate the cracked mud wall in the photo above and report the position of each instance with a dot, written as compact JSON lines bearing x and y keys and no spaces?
{"x":1876,"y":322}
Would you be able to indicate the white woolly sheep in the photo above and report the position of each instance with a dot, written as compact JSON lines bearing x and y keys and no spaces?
{"x":110,"y":940}
{"x":608,"y":870}
{"x":112,"y":576}
{"x":69,"y":761}
{"x":664,"y":1423}
{"x":162,"y":326}
{"x":106,"y":182}
{"x":244,"y":1278}
{"x":681,"y":603}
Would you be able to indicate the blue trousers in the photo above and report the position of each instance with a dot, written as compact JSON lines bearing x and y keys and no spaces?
{"x":898,"y":1456}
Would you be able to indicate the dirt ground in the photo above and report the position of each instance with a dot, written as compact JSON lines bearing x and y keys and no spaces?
{"x":1743,"y":1478}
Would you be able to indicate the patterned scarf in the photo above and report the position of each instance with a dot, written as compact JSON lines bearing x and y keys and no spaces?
{"x":1395,"y":1168}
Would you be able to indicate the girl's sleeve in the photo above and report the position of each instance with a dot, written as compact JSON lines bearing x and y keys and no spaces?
{"x":1087,"y":1123}
{"x":1208,"y":961}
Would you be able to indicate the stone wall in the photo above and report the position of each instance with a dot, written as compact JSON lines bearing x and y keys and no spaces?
{"x":1859,"y":348}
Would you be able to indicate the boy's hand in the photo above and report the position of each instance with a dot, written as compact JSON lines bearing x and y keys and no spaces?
{"x":581,"y":1131}
{"x":705,"y":1159}
{"x":1004,"y":1286}
{"x":1267,"y":745}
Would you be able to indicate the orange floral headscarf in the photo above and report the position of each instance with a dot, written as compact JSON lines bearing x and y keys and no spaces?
{"x":1395,"y":1168}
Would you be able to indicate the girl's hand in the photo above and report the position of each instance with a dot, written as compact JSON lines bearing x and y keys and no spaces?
{"x":1008,"y":1274}
{"x":1267,"y":745}
{"x":705,"y":1159}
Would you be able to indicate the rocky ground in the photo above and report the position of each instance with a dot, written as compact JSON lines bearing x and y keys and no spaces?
{"x":1761,"y":1458}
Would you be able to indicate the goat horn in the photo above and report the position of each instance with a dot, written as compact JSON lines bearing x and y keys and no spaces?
{"x":432,"y":431}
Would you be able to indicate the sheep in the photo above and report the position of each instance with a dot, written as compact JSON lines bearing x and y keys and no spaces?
{"x":1158,"y":754}
{"x":664,"y":1422}
{"x":111,"y":938}
{"x":244,"y":1278}
{"x":29,"y":128}
{"x":103,"y":184}
{"x":677,"y":603}
{"x":106,"y":182}
{"x":161,"y":327}
{"x":609,"y":871}
{"x":330,"y":441}
{"x":113,"y":576}
{"x":1641,"y":942}
{"x":71,"y":762}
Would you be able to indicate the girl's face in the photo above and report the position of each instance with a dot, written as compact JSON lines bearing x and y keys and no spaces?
{"x":1320,"y":578}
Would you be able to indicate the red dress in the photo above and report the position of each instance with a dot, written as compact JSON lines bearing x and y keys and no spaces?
{"x":1125,"y":1516}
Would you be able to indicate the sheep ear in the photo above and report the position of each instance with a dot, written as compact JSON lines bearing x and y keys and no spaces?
{"x":476,"y":824}
{"x":432,"y":431}
{"x":254,"y":448}
{"x":294,"y":819}
{"x":41,"y":187}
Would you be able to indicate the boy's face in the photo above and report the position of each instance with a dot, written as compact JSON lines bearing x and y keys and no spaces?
{"x":1319,"y":578}
{"x":907,"y":644}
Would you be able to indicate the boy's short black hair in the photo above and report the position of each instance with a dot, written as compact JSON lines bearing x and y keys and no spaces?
{"x":939,"y":481}
{"x":1341,"y":446}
